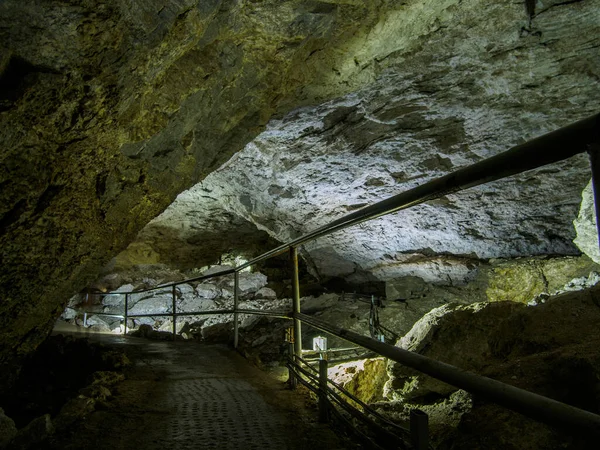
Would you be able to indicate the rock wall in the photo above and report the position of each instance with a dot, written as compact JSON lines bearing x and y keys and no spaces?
{"x":550,"y":349}
{"x":449,"y":100}
{"x":109,"y":109}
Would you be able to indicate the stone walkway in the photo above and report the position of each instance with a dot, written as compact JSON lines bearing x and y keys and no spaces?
{"x":187,"y":395}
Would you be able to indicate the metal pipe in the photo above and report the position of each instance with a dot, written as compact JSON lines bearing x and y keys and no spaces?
{"x":198,"y":313}
{"x":174,"y":313}
{"x":236,"y":283}
{"x":594,"y":154}
{"x":296,"y":301}
{"x":527,"y":403}
{"x":323,"y":403}
{"x":273,"y":313}
{"x":125,"y":314}
{"x":291,"y":378}
{"x":419,"y":429}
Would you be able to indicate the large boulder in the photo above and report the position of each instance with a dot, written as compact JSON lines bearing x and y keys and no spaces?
{"x":196,"y":304}
{"x":116,"y":299}
{"x":364,"y":379}
{"x":454,"y":334}
{"x":158,"y":304}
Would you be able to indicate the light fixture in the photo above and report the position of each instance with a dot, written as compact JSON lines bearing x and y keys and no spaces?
{"x":319,"y":344}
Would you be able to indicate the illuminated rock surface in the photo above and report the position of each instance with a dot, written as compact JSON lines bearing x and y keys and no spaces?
{"x":456,"y":99}
{"x":108,"y":110}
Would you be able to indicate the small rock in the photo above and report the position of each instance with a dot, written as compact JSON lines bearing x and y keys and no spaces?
{"x":74,"y":410}
{"x":68,"y":314}
{"x":220,"y":332}
{"x":185,"y":290}
{"x":95,"y":323}
{"x":261,"y":340}
{"x":96,"y":391}
{"x":265,"y":293}
{"x":207,"y":291}
{"x":107,"y":378}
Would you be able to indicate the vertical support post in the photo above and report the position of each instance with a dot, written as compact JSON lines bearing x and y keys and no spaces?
{"x":236,"y":299}
{"x":125,"y":314}
{"x":296,"y":302}
{"x":291,"y":378}
{"x":323,"y":404}
{"x":419,"y":429}
{"x":174,"y":312}
{"x":594,"y":154}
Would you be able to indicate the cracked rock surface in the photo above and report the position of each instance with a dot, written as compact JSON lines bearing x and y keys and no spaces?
{"x":109,"y":109}
{"x":480,"y":81}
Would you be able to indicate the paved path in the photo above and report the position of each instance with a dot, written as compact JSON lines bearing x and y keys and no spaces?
{"x":186,"y":395}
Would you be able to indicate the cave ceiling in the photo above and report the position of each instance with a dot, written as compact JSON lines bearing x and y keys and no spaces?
{"x":459,"y":98}
{"x":110,"y":109}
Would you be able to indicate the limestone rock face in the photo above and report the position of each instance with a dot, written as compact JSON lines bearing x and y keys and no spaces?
{"x":585,"y":225}
{"x":109,"y":109}
{"x":457,"y":97}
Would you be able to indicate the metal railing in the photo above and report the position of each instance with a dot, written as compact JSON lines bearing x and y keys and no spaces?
{"x":580,"y":137}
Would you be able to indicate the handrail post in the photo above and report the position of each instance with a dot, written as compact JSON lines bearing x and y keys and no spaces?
{"x":296,"y":302}
{"x":174,"y":312}
{"x":323,"y":406}
{"x":419,"y":429}
{"x":291,"y":377}
{"x":594,"y":154}
{"x":125,"y":314}
{"x":236,"y":298}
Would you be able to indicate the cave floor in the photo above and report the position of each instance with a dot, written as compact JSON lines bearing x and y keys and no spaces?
{"x":191,"y":395}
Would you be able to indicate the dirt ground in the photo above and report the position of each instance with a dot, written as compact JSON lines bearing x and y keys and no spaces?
{"x":189,"y":395}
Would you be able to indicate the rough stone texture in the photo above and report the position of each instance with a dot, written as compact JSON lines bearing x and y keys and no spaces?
{"x":365,"y":378}
{"x":585,"y":225}
{"x":34,"y":434}
{"x":96,"y":323}
{"x":109,"y":109}
{"x":158,"y":304}
{"x":265,"y":293}
{"x":480,"y":78}
{"x":8,"y":430}
{"x":525,"y":279}
{"x":457,"y":335}
{"x":550,"y":349}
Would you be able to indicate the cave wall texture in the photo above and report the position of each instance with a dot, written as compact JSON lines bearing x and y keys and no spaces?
{"x":476,"y":85}
{"x":109,"y":109}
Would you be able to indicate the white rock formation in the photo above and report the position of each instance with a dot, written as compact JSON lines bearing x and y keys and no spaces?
{"x":585,"y":225}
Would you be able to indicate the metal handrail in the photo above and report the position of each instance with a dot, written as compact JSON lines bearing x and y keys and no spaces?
{"x":556,"y":146}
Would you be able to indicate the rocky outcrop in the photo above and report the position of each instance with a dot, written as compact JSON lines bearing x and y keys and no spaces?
{"x":550,"y":349}
{"x":109,"y":109}
{"x":457,"y":97}
{"x":457,"y":335}
{"x":585,"y":225}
